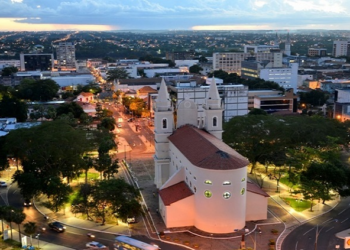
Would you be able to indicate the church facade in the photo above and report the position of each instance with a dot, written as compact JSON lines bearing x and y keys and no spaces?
{"x":202,"y":181}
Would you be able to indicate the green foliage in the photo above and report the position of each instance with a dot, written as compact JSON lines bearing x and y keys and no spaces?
{"x":92,"y":87}
{"x":108,"y":123}
{"x":195,"y":69}
{"x":255,"y":111}
{"x":152,"y":59}
{"x":115,"y":74}
{"x":72,"y":108}
{"x":252,"y":84}
{"x":38,"y":90}
{"x":297,"y":204}
{"x":13,"y":107}
{"x":314,"y":97}
{"x":7,"y":71}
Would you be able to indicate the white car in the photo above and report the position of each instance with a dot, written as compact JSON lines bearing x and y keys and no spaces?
{"x":3,"y":184}
{"x":95,"y":245}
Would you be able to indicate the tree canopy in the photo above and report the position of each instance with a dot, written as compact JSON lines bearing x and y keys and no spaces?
{"x":38,"y":90}
{"x":7,"y":71}
{"x":115,"y":74}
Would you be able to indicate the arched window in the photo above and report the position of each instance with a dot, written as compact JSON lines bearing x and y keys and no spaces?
{"x":208,"y":182}
{"x":215,"y":121}
{"x":164,"y":123}
{"x":242,"y":191}
{"x":226,"y":183}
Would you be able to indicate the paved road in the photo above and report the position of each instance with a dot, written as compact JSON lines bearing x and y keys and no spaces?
{"x":304,"y":236}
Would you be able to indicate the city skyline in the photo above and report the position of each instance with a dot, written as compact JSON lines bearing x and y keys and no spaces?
{"x":43,"y":15}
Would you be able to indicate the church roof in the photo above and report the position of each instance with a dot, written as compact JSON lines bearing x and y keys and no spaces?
{"x":253,"y":188}
{"x":147,"y":89}
{"x":175,"y":193}
{"x":205,"y":150}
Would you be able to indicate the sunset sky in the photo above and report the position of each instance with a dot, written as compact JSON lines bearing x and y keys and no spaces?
{"x":35,"y":15}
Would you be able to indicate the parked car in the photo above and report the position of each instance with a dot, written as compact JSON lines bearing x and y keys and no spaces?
{"x":95,"y":245}
{"x":27,"y":203}
{"x":3,"y":184}
{"x":58,"y":227}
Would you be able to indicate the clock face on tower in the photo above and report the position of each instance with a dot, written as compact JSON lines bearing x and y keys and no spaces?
{"x":187,"y":104}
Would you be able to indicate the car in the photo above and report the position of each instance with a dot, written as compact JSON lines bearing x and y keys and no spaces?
{"x":119,"y":125}
{"x":131,"y":220}
{"x":95,"y":245}
{"x":3,"y":184}
{"x":27,"y":203}
{"x":58,"y":227}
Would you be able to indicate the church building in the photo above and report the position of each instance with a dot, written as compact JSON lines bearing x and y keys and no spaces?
{"x":202,"y":181}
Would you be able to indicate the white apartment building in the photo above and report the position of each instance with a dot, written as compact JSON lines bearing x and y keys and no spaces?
{"x":233,"y":97}
{"x":231,"y":61}
{"x":341,"y":48}
{"x":260,"y":48}
{"x":66,"y":56}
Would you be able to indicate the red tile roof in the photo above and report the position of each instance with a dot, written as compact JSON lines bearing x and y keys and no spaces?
{"x":205,"y":150}
{"x":252,"y":187}
{"x":86,"y":94}
{"x":175,"y":193}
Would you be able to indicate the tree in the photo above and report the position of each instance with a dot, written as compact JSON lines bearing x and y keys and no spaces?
{"x":115,"y":74}
{"x":9,"y":217}
{"x":30,"y":228}
{"x":108,"y":123}
{"x":18,"y":218}
{"x":256,"y":111}
{"x":203,"y":59}
{"x":195,"y":69}
{"x":8,"y":71}
{"x":92,"y":87}
{"x":314,"y":97}
{"x":13,"y":107}
{"x":38,"y":90}
{"x":72,"y":107}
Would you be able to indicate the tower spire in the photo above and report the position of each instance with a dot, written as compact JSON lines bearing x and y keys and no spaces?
{"x":163,"y":99}
{"x":213,"y":100}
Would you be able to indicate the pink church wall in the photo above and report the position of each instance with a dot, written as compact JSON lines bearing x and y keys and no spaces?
{"x":256,"y":207}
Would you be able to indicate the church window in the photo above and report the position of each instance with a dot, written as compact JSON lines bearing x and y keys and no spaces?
{"x":243,"y":179}
{"x":208,"y":193}
{"x":226,"y":183}
{"x":195,"y":189}
{"x":215,"y":121}
{"x":190,"y":184}
{"x":177,"y":167}
{"x":164,"y":125}
{"x":208,"y":182}
{"x":226,"y":195}
{"x":194,"y":177}
{"x":242,"y":191}
{"x":186,"y":179}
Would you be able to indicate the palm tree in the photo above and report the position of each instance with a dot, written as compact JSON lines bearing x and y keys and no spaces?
{"x":30,"y":229}
{"x":18,"y":218}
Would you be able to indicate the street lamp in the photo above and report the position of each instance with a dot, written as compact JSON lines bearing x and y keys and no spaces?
{"x":37,"y":237}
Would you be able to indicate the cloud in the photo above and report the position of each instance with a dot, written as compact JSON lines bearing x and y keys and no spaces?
{"x":180,"y":14}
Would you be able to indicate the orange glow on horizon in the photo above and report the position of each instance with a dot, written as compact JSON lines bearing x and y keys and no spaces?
{"x":10,"y":24}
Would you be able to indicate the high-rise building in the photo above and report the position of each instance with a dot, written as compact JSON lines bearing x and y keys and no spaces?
{"x":231,"y":61}
{"x":179,"y":55}
{"x":341,"y":48}
{"x":65,"y":56}
{"x":34,"y":62}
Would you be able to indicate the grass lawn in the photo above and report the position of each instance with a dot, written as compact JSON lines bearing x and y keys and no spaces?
{"x":297,"y":205}
{"x":286,"y":182}
{"x":91,"y":176}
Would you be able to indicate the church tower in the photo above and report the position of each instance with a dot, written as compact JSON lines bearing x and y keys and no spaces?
{"x":213,"y":111}
{"x":276,"y":41}
{"x":287,"y":46}
{"x":163,"y":127}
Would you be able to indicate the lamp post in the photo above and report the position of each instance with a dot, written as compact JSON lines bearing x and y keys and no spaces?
{"x":37,"y":237}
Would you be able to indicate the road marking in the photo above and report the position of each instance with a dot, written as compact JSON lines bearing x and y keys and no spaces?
{"x":296,"y":245}
{"x":326,"y":221}
{"x":344,"y":220}
{"x":309,"y":231}
{"x":330,"y":229}
{"x":342,"y":211}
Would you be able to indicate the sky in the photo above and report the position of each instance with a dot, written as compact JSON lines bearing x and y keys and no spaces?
{"x":46,"y":15}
